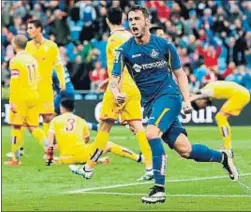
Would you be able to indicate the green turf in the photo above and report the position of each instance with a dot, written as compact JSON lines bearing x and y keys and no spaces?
{"x":35,"y":187}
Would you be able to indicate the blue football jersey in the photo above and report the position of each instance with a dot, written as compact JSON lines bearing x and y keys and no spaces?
{"x":151,"y":66}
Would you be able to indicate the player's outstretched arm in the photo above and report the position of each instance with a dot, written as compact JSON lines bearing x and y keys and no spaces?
{"x":203,"y":94}
{"x":50,"y":148}
{"x":59,"y":67}
{"x":184,"y":88}
{"x":117,"y":71}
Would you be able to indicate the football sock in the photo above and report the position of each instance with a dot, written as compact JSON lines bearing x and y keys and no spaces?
{"x":159,"y":161}
{"x":46,"y":128}
{"x":39,"y":135}
{"x":202,"y":153}
{"x":145,"y":149}
{"x":100,"y":143}
{"x":225,"y":130}
{"x":123,"y":152}
{"x":16,"y":142}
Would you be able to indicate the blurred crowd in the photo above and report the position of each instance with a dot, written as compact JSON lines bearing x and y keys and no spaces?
{"x":213,"y":38}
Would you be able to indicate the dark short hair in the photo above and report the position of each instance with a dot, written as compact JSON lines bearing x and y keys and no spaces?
{"x":20,"y":41}
{"x":114,"y":15}
{"x":196,"y":106}
{"x":154,"y":29}
{"x":143,"y":9}
{"x":68,"y":104}
{"x":37,"y":24}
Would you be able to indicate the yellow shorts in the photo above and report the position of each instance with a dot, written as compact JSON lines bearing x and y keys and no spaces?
{"x":235,"y":104}
{"x":130,"y":110}
{"x":27,"y":114}
{"x":46,"y":101}
{"x":77,"y":156}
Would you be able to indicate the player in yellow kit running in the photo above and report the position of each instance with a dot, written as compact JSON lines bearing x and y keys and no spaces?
{"x":23,"y":98}
{"x":128,"y":112}
{"x":46,"y":53}
{"x":72,"y":136}
{"x":237,"y":98}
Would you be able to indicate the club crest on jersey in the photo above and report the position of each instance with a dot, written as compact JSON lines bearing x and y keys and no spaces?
{"x":137,"y":68}
{"x":154,"y":53}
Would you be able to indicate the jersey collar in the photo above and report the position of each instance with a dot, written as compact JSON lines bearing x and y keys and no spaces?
{"x":39,"y":44}
{"x":118,"y":29}
{"x":21,"y":52}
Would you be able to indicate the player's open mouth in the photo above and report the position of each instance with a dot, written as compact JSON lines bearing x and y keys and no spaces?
{"x":135,"y":29}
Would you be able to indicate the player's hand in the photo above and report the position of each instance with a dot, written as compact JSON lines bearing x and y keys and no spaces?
{"x":187,"y":107}
{"x":103,"y":85}
{"x":62,"y":88}
{"x":120,"y":98}
{"x":13,"y":108}
{"x":49,"y":155}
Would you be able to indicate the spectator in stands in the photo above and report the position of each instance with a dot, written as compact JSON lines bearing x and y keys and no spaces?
{"x":210,"y":54}
{"x":230,"y":70}
{"x":241,"y":47}
{"x":75,"y":24}
{"x":37,"y":12}
{"x":97,"y":76}
{"x":79,"y":27}
{"x":246,"y":79}
{"x":237,"y":74}
{"x":248,"y":49}
{"x":59,"y":27}
{"x":5,"y":75}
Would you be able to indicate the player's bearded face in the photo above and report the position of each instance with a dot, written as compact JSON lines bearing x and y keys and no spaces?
{"x":138,"y":23}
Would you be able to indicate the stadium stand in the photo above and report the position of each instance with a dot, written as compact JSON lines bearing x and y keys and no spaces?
{"x":211,"y":47}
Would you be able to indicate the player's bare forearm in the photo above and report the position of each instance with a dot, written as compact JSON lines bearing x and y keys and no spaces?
{"x":114,"y":85}
{"x":184,"y":88}
{"x":50,"y":149}
{"x":115,"y":88}
{"x":183,"y":83}
{"x":199,"y":96}
{"x":51,"y":137}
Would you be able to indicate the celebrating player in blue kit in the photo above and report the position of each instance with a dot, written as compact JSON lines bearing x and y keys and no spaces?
{"x":151,"y":60}
{"x":68,"y":92}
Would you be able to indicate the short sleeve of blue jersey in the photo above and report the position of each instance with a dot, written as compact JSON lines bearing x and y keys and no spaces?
{"x":118,"y":62}
{"x":173,"y":57}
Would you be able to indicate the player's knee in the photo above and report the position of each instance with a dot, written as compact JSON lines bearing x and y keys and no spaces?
{"x":219,"y":116}
{"x":108,"y":146}
{"x":151,"y":134}
{"x":16,"y":127}
{"x":105,"y":126}
{"x":30,"y":129}
{"x":183,"y":146}
{"x":136,"y":126}
{"x":185,"y":151}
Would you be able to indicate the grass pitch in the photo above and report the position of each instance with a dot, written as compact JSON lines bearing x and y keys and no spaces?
{"x":190,"y":186}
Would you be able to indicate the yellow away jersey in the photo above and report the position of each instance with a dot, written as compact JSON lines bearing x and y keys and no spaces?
{"x":24,"y":77}
{"x":47,"y":56}
{"x":70,"y":131}
{"x":116,"y":39}
{"x":225,"y":89}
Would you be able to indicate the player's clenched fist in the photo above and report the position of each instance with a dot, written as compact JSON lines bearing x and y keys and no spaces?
{"x":120,"y":98}
{"x":187,"y":107}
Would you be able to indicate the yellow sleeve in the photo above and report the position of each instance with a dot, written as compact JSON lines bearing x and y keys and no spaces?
{"x":86,"y":131}
{"x":14,"y":81}
{"x":58,"y":65}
